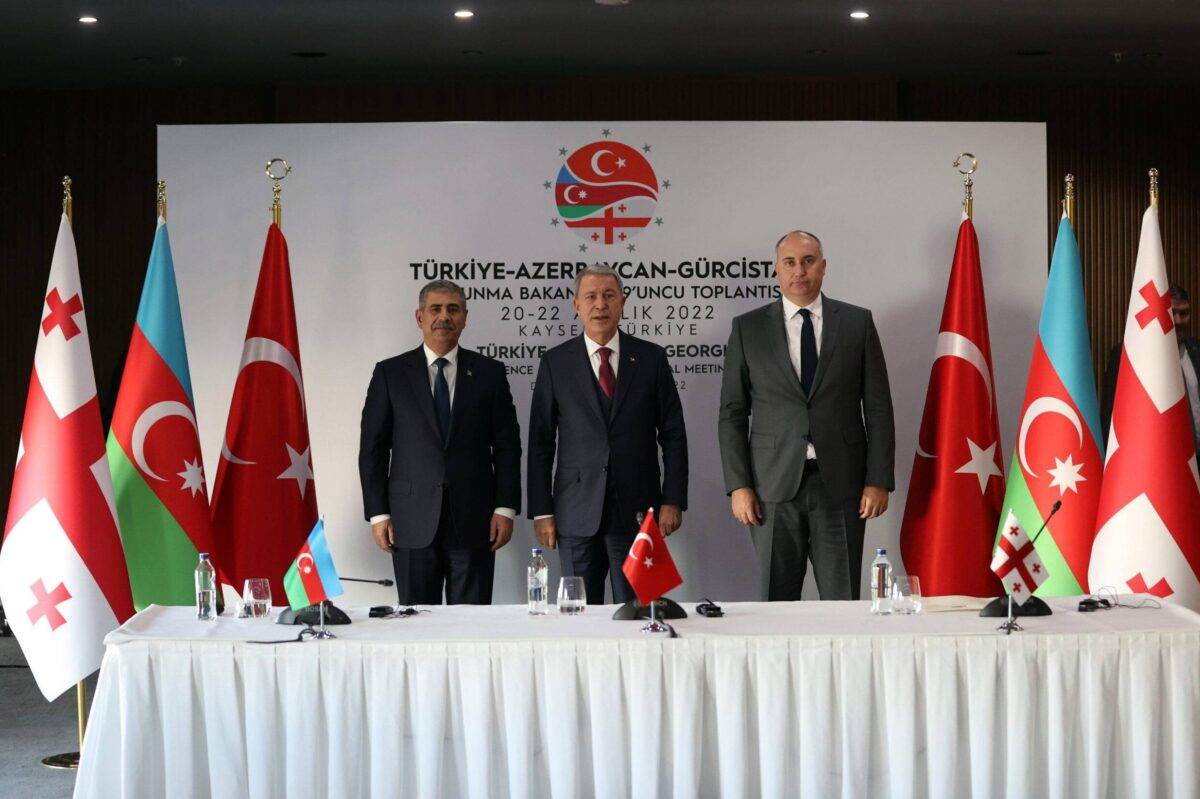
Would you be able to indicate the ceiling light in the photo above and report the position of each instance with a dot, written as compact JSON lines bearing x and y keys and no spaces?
{"x":88,"y":20}
{"x":859,"y":15}
{"x":463,"y":13}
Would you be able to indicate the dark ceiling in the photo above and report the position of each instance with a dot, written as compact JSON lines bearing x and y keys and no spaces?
{"x":240,"y":42}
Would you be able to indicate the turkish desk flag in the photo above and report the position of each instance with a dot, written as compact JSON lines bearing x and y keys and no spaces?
{"x":264,"y":500}
{"x":957,"y":481}
{"x":1148,"y":523}
{"x":648,"y":566}
{"x":63,"y":580}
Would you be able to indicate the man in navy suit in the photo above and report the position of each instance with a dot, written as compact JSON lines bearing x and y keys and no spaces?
{"x":440,"y":459}
{"x":609,"y":401}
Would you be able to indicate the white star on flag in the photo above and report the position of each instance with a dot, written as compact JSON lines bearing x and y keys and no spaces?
{"x":299,"y":470}
{"x":1066,"y":475}
{"x":193,"y":476}
{"x":982,"y":464}
{"x":648,"y":562}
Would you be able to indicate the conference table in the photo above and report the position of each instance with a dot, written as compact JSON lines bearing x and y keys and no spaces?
{"x":808,"y":699}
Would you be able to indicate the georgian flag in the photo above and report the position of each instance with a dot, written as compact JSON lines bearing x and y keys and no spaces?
{"x":1148,"y":521}
{"x":1016,"y":562}
{"x":63,"y":580}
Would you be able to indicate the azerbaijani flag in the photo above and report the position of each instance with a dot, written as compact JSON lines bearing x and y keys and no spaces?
{"x":154,"y":447}
{"x":311,"y":578}
{"x":1058,"y":454}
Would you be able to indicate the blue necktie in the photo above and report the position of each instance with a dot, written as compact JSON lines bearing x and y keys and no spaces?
{"x":441,"y":398}
{"x":808,"y":351}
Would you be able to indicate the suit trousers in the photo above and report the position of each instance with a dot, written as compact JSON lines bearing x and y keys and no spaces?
{"x":811,"y":526}
{"x":464,"y":572}
{"x":600,"y":556}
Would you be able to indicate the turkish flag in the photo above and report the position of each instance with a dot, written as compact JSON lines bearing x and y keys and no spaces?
{"x":1148,"y":523}
{"x":264,"y":500}
{"x":63,"y":580}
{"x":957,"y":483}
{"x":648,"y":566}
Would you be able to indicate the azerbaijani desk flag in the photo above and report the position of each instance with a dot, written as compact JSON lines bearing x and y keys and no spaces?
{"x":1058,"y":443}
{"x":63,"y":580}
{"x":154,"y":447}
{"x":1016,"y":561}
{"x":648,"y":566}
{"x":311,"y":578}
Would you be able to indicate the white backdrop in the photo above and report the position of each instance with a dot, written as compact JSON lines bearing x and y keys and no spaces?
{"x":370,"y":207}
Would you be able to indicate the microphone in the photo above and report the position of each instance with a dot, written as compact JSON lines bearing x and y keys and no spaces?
{"x":365,"y":580}
{"x":1053,"y":510}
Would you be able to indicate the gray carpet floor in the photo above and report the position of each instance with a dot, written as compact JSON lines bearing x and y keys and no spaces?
{"x":31,"y":728}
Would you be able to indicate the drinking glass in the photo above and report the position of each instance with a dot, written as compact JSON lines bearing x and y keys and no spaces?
{"x":256,"y":597}
{"x":906,"y":594}
{"x":572,"y":596}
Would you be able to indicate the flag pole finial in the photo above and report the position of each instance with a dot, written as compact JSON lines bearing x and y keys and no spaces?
{"x":66,"y":198}
{"x":160,"y":199}
{"x":275,"y":177}
{"x":1154,"y":187}
{"x":968,"y":202}
{"x":1069,"y":198}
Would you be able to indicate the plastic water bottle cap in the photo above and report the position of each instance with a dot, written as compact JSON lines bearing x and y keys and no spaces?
{"x":203,"y":556}
{"x":881,"y":551}
{"x":535,"y":551}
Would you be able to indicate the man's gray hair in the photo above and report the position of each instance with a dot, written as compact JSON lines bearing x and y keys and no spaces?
{"x":812,"y":236}
{"x":598,"y":270}
{"x":442,"y":286}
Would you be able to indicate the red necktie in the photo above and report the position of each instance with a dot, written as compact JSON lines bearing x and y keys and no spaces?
{"x":608,"y":381}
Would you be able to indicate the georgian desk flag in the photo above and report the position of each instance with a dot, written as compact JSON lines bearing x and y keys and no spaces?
{"x":1057,"y":455}
{"x":1148,"y":522}
{"x":63,"y":580}
{"x":311,"y":578}
{"x":648,"y":566}
{"x":1017,"y":562}
{"x":264,"y":501}
{"x":154,"y":447}
{"x":957,"y":481}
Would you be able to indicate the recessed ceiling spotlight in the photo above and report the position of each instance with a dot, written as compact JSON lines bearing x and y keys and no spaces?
{"x":859,"y":15}
{"x":463,"y":13}
{"x":88,"y":20}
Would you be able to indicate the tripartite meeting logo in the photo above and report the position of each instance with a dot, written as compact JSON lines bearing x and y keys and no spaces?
{"x":606,"y":192}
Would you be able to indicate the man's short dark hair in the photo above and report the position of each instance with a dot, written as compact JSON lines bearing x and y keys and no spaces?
{"x":820,"y":248}
{"x":442,"y":286}
{"x":1178,"y":292}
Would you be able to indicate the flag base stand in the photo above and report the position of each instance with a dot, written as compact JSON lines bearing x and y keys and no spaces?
{"x":998,"y":608}
{"x":656,"y":627}
{"x":312,"y":615}
{"x":320,"y":633}
{"x":664,"y":609}
{"x":67,"y":760}
{"x":70,"y":760}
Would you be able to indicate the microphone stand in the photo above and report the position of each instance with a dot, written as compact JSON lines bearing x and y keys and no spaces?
{"x":1033,"y":606}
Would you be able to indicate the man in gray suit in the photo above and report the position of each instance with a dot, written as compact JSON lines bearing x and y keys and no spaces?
{"x":807,"y":438}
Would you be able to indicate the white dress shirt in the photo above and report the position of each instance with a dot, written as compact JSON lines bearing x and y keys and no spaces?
{"x":451,"y":370}
{"x":593,"y":351}
{"x":793,"y":322}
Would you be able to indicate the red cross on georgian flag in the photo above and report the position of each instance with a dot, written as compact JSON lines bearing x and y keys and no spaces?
{"x":1148,"y":521}
{"x":1016,"y":562}
{"x":63,"y":580}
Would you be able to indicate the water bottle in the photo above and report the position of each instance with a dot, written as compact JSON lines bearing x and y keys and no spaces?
{"x":539,"y":581}
{"x":881,"y":583}
{"x":206,"y":590}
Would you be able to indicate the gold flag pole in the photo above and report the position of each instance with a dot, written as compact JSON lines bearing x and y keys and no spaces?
{"x":70,"y":760}
{"x":1154,"y":187}
{"x":160,"y":200}
{"x":276,"y":209}
{"x":968,"y":202}
{"x":1068,"y":202}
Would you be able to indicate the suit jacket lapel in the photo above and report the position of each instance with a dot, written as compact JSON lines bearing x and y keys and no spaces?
{"x":625,"y":371}
{"x":464,"y":389}
{"x":418,"y":381}
{"x":777,"y":335}
{"x":829,"y":339}
{"x":582,"y":365}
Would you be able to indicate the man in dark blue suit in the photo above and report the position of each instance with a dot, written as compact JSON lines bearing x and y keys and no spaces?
{"x":609,"y":400}
{"x":440,"y":459}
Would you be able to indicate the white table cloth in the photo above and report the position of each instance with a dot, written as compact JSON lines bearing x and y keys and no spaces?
{"x":810,"y":699}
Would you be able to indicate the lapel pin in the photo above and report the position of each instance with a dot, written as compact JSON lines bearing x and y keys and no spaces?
{"x":469,"y":373}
